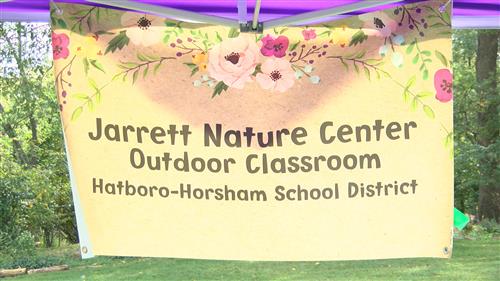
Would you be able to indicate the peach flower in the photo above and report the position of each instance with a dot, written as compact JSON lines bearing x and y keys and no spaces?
{"x":277,"y":74}
{"x":142,"y":29}
{"x":233,"y":61}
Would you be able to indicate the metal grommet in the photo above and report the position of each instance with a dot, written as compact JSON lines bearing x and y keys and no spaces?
{"x":446,"y":250}
{"x":84,"y":250}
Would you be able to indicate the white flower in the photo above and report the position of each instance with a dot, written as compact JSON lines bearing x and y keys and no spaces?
{"x":397,"y":59}
{"x":197,"y":83}
{"x":308,"y":69}
{"x":204,"y":77}
{"x":398,"y":40}
{"x":383,"y":50}
{"x":314,"y":79}
{"x":299,"y":74}
{"x":143,"y":29}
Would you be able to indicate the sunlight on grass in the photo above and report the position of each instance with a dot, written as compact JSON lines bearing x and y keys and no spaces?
{"x":472,"y":260}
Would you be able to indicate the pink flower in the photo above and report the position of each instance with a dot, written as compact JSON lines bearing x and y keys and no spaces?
{"x":378,"y":24}
{"x":277,"y":74}
{"x":60,"y":44}
{"x":233,"y":61}
{"x":309,"y":34}
{"x":443,"y":82}
{"x":274,"y":47}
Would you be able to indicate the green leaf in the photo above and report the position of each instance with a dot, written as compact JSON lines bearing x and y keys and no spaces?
{"x":98,"y":97}
{"x":233,"y":32}
{"x":93,"y":84}
{"x":194,"y":70}
{"x":191,"y":65}
{"x":218,"y":37}
{"x":428,"y":111}
{"x":437,"y":24}
{"x":76,"y":113}
{"x":367,"y":73}
{"x":219,"y":88}
{"x":166,"y":38}
{"x":90,"y":104}
{"x":152,"y":57}
{"x":283,"y":30}
{"x":89,"y":23}
{"x":414,"y":104}
{"x":410,"y":82}
{"x":449,"y":139}
{"x":294,"y":46}
{"x":257,"y":69}
{"x":98,"y":14}
{"x":134,"y":76}
{"x":427,"y":53}
{"x":325,"y":33}
{"x":424,"y":94}
{"x":410,"y":47}
{"x":441,"y":58}
{"x":103,"y":32}
{"x":358,"y":38}
{"x":415,"y":59}
{"x":86,"y":66}
{"x":155,"y":69}
{"x":80,"y":13}
{"x":128,"y":65}
{"x":118,"y":42}
{"x":62,"y":23}
{"x":80,"y":96}
{"x":145,"y":72}
{"x":97,"y":65}
{"x":406,"y":96}
{"x":345,"y":65}
{"x":425,"y":74}
{"x":446,"y":17}
{"x":142,"y":57}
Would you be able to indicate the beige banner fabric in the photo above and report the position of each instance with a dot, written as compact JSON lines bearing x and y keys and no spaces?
{"x":324,"y":142}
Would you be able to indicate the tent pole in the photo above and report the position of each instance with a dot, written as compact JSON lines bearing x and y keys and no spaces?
{"x":317,"y":15}
{"x":171,"y":13}
{"x":256,"y":12}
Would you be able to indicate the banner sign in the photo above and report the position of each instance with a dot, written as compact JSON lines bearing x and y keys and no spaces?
{"x":322,"y":142}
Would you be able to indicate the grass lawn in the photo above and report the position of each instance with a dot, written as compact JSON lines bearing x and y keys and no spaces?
{"x":472,"y":260}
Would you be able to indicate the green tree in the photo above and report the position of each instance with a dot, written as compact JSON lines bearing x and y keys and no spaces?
{"x":476,"y":103}
{"x":32,"y":161}
{"x":488,"y":117}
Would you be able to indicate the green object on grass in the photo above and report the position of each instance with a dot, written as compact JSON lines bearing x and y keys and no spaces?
{"x":460,"y":220}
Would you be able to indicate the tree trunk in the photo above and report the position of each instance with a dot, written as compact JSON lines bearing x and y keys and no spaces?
{"x":18,"y":151}
{"x":486,"y":75}
{"x":48,"y":236}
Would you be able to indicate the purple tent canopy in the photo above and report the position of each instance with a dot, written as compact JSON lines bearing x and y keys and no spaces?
{"x":466,"y":13}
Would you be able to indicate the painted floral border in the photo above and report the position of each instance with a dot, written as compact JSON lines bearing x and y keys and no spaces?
{"x":272,"y":60}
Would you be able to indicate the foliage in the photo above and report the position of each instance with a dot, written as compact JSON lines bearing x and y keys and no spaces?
{"x":473,"y":161}
{"x":35,"y":198}
{"x":31,"y":262}
{"x":16,"y":247}
{"x":484,"y":230}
